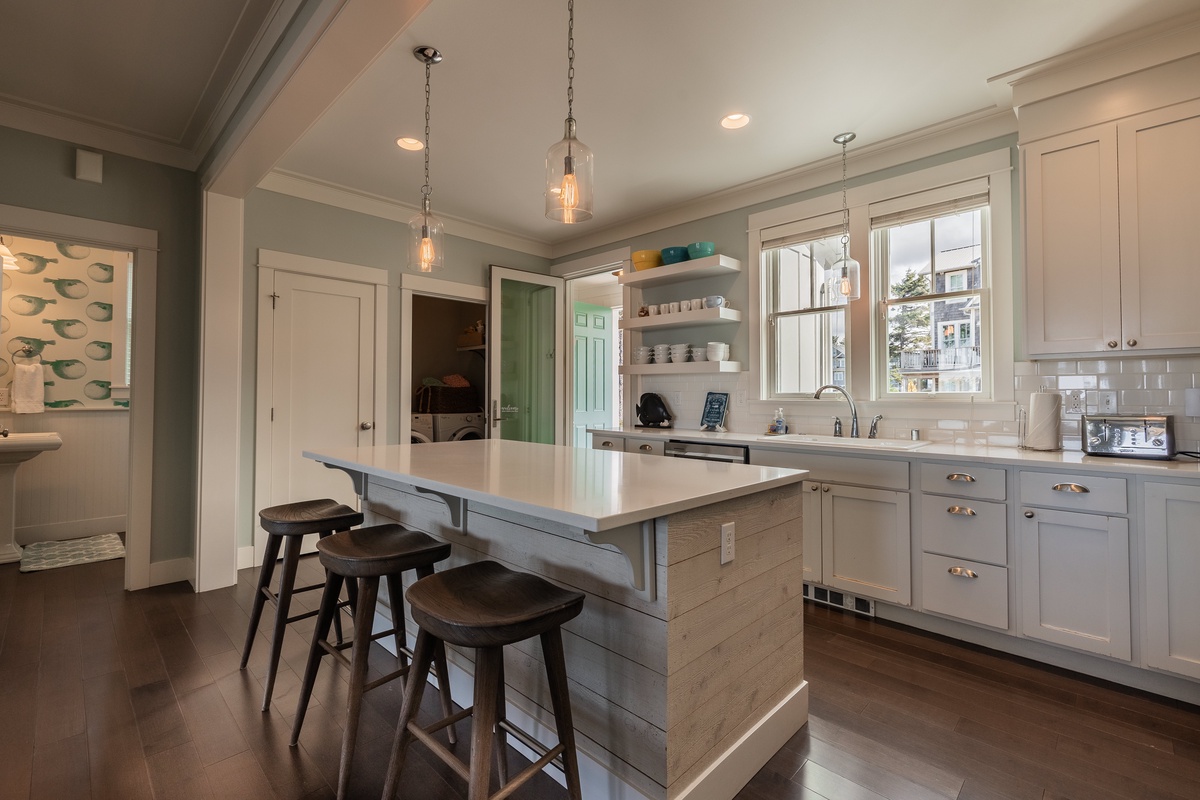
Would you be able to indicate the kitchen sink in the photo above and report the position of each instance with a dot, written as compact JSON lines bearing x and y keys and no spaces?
{"x":845,"y":441}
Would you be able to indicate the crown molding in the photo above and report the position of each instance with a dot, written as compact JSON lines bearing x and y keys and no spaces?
{"x":1130,"y":52}
{"x":330,"y":194}
{"x":95,"y":136}
{"x":961,"y":131}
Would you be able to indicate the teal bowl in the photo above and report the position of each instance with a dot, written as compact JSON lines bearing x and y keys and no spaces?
{"x":701,"y":249}
{"x":673,"y":255}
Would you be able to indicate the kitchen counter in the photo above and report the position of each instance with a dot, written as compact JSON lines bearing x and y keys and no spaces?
{"x":1181,"y":467}
{"x":685,"y":666}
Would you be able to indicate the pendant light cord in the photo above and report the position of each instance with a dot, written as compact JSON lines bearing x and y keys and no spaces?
{"x":427,"y":190}
{"x":570,"y":59}
{"x":845,"y":209}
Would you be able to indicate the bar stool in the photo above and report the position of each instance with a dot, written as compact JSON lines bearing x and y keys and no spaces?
{"x":291,"y":522}
{"x":486,"y":606}
{"x":362,"y":557}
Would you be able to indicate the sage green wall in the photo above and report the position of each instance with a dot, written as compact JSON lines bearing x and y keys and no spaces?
{"x":288,"y":224}
{"x":38,"y":172}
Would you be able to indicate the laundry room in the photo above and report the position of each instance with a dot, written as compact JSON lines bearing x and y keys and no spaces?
{"x":449,"y":369}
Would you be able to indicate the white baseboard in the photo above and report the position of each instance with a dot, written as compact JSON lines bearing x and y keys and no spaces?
{"x":173,"y":571}
{"x":72,"y":529}
{"x":741,"y":762}
{"x":245,"y":556}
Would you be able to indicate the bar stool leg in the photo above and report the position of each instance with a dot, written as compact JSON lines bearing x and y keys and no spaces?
{"x":439,"y":662}
{"x":487,"y":666}
{"x":270,"y":553}
{"x":414,"y":686}
{"x":395,"y":588}
{"x":501,"y":745}
{"x":337,"y":618}
{"x":560,"y":698}
{"x":363,"y":618}
{"x":333,"y":587}
{"x":287,"y":580}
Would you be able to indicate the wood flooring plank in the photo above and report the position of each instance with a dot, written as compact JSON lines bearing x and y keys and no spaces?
{"x":213,"y":729}
{"x":239,"y":775}
{"x":185,"y":668}
{"x":118,"y":768}
{"x":893,"y":762}
{"x":207,"y":635}
{"x":177,"y":774}
{"x":60,"y":770}
{"x":60,"y":712}
{"x":159,"y":720}
{"x":107,"y":703}
{"x":16,"y":743}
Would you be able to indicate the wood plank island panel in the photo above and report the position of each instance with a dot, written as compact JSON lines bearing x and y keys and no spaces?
{"x":663,"y":689}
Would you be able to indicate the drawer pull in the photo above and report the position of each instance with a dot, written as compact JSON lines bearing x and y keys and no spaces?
{"x":606,"y":444}
{"x":960,"y":476}
{"x":961,"y":511}
{"x":646,"y":448}
{"x":1074,"y":488}
{"x":962,"y":572}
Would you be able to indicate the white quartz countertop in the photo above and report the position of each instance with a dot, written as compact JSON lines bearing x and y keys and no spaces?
{"x":595,"y":490}
{"x":1181,"y":467}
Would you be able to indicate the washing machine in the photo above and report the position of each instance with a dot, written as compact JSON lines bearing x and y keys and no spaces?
{"x":422,"y":428}
{"x":457,"y":427}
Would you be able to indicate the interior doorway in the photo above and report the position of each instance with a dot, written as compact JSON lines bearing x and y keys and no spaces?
{"x":448,"y":371}
{"x":597,"y":387}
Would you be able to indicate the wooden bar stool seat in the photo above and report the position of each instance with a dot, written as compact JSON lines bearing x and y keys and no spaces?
{"x":287,"y":525}
{"x":486,"y":606}
{"x":360,"y":558}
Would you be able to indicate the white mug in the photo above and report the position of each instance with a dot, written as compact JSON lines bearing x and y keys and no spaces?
{"x":697,"y":303}
{"x":664,"y":308}
{"x":685,"y":305}
{"x":674,"y":308}
{"x":653,"y":309}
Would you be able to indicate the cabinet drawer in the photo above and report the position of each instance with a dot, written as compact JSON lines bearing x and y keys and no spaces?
{"x":963,"y":480}
{"x":1076,"y":492}
{"x":982,"y":598}
{"x":837,"y":469}
{"x":602,"y":442}
{"x":965,"y":528}
{"x":647,"y":447}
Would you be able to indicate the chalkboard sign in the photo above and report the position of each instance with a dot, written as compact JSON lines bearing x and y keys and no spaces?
{"x":713,"y":417}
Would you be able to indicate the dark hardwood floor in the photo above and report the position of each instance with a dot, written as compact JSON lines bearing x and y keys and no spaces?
{"x":106,"y":694}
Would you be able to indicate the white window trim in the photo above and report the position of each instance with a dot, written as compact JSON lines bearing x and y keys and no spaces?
{"x":996,"y":166}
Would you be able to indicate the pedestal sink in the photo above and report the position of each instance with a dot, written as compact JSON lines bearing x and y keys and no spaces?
{"x":15,"y":450}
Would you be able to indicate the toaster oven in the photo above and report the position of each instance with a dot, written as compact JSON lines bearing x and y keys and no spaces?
{"x":1129,"y":436}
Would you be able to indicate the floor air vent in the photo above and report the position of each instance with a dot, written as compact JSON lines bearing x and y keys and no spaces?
{"x":835,"y":599}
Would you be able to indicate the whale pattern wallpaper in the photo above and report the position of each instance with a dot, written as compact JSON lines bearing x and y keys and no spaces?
{"x":58,"y":308}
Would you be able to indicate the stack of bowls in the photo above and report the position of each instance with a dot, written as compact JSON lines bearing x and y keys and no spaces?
{"x":641,"y":355}
{"x":673,"y":255}
{"x":699,"y":354}
{"x":679,"y":353}
{"x":701,"y":249}
{"x":718,"y":351}
{"x":662,"y":353}
{"x":646,"y":259}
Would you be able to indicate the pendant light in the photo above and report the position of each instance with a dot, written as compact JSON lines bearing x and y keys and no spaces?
{"x":569,"y":162}
{"x":846,"y":269}
{"x":426,"y":249}
{"x":6,"y":255}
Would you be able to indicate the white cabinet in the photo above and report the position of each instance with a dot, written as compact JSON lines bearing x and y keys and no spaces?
{"x":1109,"y":215}
{"x":680,"y":276}
{"x":1074,"y":564}
{"x":1172,"y":536}
{"x":856,"y":538}
{"x":606,"y":441}
{"x":647,"y":447}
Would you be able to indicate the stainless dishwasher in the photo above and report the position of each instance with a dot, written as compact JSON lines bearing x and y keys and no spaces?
{"x":727,"y":453}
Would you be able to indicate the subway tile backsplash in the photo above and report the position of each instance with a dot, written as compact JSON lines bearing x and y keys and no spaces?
{"x":1143,"y":386}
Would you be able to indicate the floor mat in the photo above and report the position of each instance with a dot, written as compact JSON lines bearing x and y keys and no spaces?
{"x":51,"y":555}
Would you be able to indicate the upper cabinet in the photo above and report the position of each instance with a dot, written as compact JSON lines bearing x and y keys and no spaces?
{"x":1111,"y":236}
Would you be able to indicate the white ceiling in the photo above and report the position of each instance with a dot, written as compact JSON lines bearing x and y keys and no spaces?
{"x":653,"y":78}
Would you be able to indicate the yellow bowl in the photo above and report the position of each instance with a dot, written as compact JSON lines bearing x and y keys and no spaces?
{"x":646,"y":259}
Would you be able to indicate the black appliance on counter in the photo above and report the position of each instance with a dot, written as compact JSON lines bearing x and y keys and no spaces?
{"x":652,"y":412}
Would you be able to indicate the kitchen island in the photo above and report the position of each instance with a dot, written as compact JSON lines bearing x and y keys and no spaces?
{"x":686,"y":673}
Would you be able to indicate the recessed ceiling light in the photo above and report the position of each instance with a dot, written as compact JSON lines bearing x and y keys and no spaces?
{"x":408,"y":143}
{"x":735,"y":121}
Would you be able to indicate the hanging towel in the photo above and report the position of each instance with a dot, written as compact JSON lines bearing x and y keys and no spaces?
{"x":28,"y":389}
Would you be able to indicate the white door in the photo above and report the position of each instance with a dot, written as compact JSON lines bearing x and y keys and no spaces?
{"x":525,"y":356}
{"x":322,"y":384}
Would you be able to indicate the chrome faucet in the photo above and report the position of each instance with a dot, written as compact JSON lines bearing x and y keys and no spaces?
{"x":850,"y":400}
{"x":874,"y":426}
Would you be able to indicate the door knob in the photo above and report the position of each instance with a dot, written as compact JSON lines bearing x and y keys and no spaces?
{"x":1132,"y":342}
{"x":1029,"y":515}
{"x":366,"y":426}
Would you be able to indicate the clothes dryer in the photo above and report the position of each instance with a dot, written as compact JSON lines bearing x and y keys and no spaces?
{"x":457,"y":427}
{"x":422,"y":428}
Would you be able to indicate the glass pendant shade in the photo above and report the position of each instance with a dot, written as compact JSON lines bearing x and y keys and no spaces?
{"x":845,"y":275}
{"x":569,"y":179}
{"x":426,"y":248}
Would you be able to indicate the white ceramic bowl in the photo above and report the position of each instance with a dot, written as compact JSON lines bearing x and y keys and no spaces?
{"x":699,"y":354}
{"x":679,"y":358}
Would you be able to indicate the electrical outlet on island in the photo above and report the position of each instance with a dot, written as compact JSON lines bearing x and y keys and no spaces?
{"x":726,"y":542}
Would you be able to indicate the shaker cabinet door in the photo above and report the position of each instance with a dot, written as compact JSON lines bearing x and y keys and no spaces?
{"x":866,"y":542}
{"x":1172,"y":533}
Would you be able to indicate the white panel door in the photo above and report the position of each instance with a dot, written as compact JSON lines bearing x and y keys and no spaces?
{"x":322,"y":382}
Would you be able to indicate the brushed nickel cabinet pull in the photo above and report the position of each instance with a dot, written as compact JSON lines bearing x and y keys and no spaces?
{"x":606,"y":443}
{"x":1132,"y":342}
{"x":814,"y":487}
{"x":1073,"y":488}
{"x":1028,"y":515}
{"x":1112,"y":343}
{"x":964,"y":511}
{"x":960,"y":476}
{"x":646,"y":448}
{"x":824,"y":488}
{"x":962,"y":572}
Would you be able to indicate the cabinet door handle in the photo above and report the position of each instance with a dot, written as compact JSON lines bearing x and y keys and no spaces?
{"x":1073,"y":488}
{"x":1132,"y":342}
{"x":962,"y":572}
{"x":824,"y":488}
{"x":961,"y":476}
{"x":645,"y":448}
{"x":964,"y":511}
{"x":814,"y":488}
{"x":1112,"y":343}
{"x":1028,"y":515}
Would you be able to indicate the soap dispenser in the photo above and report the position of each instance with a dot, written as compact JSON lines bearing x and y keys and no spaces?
{"x":779,"y":426}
